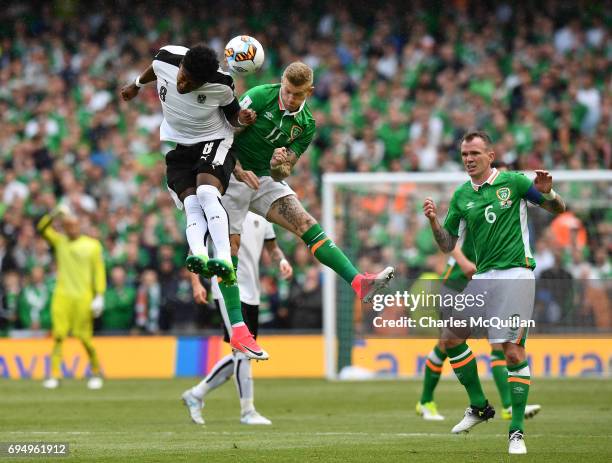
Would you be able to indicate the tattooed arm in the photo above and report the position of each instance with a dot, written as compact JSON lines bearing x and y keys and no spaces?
{"x":551,"y":201}
{"x":555,"y":206}
{"x":445,"y":240}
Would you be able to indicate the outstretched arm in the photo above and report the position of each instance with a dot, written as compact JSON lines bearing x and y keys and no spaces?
{"x":130,"y":91}
{"x":45,"y":224}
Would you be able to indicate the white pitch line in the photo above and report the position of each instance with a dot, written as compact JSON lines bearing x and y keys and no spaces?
{"x":290,"y":433}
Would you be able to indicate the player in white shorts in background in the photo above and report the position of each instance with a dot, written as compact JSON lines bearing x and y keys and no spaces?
{"x":258,"y":233}
{"x":458,"y":273}
{"x":200,"y":111}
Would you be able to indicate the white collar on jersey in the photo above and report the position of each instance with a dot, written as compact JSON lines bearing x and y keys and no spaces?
{"x":490,"y":180}
{"x":287,"y":112}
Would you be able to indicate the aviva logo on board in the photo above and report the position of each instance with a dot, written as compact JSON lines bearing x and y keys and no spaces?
{"x":120,"y":357}
{"x":20,"y":367}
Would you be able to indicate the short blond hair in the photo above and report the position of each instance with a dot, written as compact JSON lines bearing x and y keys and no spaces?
{"x":298,"y":74}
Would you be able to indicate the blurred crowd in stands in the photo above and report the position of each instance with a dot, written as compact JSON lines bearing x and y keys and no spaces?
{"x":396,"y":85}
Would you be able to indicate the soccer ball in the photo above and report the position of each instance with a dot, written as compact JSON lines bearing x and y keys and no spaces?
{"x":244,"y":55}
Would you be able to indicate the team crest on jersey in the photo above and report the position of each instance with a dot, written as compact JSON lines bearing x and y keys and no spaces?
{"x":296,"y":131}
{"x":503,"y":194}
{"x":201,"y":98}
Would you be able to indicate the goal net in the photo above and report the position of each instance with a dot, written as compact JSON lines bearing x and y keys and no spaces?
{"x":377,"y":220}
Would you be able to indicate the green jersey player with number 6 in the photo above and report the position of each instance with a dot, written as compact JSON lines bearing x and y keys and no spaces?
{"x":267,"y":150}
{"x":492,"y":208}
{"x":456,"y":277}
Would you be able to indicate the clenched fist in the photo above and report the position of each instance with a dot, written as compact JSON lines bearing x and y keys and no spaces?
{"x":429,"y":208}
{"x":128,"y":92}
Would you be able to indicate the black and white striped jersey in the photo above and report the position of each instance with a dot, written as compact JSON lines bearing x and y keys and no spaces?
{"x":195,"y":116}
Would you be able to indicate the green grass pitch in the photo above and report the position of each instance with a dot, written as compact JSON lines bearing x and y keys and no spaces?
{"x":313,"y":421}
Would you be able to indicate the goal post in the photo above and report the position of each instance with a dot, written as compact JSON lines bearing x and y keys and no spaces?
{"x":584,"y":190}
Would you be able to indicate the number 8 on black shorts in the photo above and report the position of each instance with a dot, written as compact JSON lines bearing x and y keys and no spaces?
{"x":185,"y":162}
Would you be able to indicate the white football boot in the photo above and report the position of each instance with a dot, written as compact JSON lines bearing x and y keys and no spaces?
{"x":472,"y":417}
{"x":516,"y":443}
{"x":194,"y":405}
{"x":51,"y":383}
{"x":428,"y":411}
{"x":94,"y":383}
{"x":253,"y":417}
{"x":530,"y":411}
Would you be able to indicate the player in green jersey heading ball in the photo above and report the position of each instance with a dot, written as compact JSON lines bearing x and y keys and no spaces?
{"x":492,"y":208}
{"x":267,"y":151}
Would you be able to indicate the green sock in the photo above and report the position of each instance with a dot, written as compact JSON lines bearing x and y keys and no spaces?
{"x":500,"y":375}
{"x":231,"y":297}
{"x":464,"y":364}
{"x":519,"y":380}
{"x":328,"y":253}
{"x":235,"y":262}
{"x":433,"y":370}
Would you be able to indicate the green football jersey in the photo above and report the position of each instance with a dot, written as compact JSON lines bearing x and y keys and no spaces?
{"x":453,"y":276}
{"x":495,"y":215}
{"x":275,"y":127}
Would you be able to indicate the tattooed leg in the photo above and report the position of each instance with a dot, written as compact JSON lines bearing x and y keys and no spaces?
{"x":289,"y":213}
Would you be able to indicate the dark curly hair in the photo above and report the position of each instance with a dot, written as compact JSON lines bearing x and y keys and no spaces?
{"x":200,"y":62}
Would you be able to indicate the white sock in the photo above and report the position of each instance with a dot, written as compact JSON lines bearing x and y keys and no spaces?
{"x":196,"y":225}
{"x":243,"y":378}
{"x":220,"y":373}
{"x":218,"y":222}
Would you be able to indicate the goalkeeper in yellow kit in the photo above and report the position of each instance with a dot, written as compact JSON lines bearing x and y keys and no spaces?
{"x":78,"y":296}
